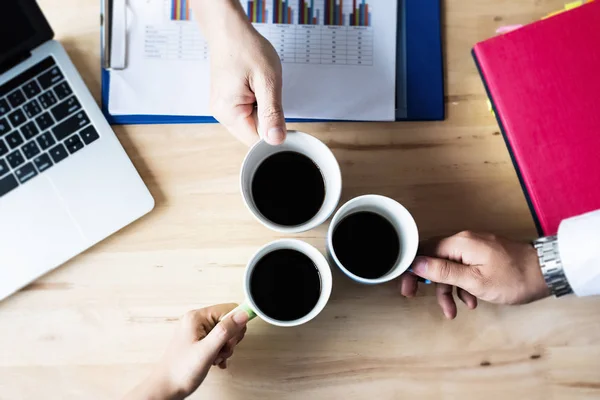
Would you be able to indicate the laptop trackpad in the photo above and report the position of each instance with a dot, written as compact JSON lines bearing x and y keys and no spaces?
{"x":38,"y":234}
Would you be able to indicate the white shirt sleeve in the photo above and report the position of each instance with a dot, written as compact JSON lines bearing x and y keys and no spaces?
{"x":579,"y":248}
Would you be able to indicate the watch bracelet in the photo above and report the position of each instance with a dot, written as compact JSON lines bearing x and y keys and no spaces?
{"x":551,"y":265}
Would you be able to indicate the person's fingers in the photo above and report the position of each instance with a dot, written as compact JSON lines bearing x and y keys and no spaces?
{"x":234,"y":341}
{"x":227,"y":350}
{"x":467,"y":298}
{"x":221,"y":334}
{"x":244,"y":128}
{"x":233,"y":106}
{"x":445,"y":271}
{"x":195,"y":324}
{"x":223,"y":364}
{"x":407,"y":283}
{"x":242,"y":334}
{"x":450,"y":248}
{"x":465,"y":247}
{"x":271,"y":120}
{"x":225,"y":354}
{"x":446,"y":300}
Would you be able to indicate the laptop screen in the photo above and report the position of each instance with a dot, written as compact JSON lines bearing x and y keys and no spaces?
{"x":15,"y":27}
{"x":22,"y":28}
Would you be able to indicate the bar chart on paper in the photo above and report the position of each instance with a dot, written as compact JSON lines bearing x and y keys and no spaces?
{"x":180,"y":10}
{"x":338,"y":58}
{"x":278,"y":11}
{"x":302,"y":31}
{"x":316,"y":31}
{"x":309,"y":12}
{"x":174,"y":36}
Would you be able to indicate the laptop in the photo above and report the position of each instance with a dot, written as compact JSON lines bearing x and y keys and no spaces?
{"x":65,"y":181}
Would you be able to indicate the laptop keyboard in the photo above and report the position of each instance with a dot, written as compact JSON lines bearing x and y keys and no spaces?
{"x":41,"y":124}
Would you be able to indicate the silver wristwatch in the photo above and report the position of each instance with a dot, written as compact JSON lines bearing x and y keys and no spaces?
{"x":552,"y":268}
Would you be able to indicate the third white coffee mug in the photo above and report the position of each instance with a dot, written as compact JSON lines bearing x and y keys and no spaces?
{"x":318,"y":260}
{"x":397,"y":215}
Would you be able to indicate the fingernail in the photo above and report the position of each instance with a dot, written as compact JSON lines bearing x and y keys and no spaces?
{"x":240,"y":317}
{"x":275,"y":135}
{"x":420,"y":266}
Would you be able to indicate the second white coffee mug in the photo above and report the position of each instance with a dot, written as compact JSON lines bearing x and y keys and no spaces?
{"x":397,"y":215}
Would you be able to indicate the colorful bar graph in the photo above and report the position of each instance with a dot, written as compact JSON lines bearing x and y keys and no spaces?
{"x":303,"y":13}
{"x":180,"y":10}
{"x":307,"y":15}
{"x":257,"y":11}
{"x":282,"y":12}
{"x":331,"y":12}
{"x":360,"y":15}
{"x":334,"y":12}
{"x":264,"y":11}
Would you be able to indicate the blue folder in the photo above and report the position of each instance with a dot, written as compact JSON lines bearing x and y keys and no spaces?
{"x":420,"y":72}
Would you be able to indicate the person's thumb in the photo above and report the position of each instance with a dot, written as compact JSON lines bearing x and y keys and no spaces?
{"x":271,"y":120}
{"x":224,"y":331}
{"x":444,"y":271}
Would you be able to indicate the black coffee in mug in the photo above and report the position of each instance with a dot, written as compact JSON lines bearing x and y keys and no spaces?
{"x":288,"y":188}
{"x":285,"y":285}
{"x":366,"y":244}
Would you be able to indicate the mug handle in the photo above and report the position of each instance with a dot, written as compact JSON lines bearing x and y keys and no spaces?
{"x":244,"y":306}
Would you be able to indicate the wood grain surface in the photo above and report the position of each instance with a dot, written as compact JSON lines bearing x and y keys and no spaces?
{"x":94,"y":327}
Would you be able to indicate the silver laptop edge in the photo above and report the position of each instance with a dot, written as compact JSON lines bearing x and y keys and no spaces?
{"x":74,"y":204}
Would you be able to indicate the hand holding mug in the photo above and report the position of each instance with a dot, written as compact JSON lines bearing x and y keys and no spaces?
{"x":481,"y":266}
{"x":245,"y":70}
{"x":200,"y":341}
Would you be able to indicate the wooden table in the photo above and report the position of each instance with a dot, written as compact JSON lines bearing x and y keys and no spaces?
{"x":93,"y":328}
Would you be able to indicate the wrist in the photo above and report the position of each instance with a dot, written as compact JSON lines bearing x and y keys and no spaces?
{"x":158,"y":387}
{"x":535,"y":287}
{"x":219,"y":19}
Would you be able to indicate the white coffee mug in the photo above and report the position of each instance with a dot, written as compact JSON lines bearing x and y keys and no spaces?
{"x":292,"y":244}
{"x":397,"y":215}
{"x":314,"y":149}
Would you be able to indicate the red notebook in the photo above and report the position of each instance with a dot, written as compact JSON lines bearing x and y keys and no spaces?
{"x":544,"y":84}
